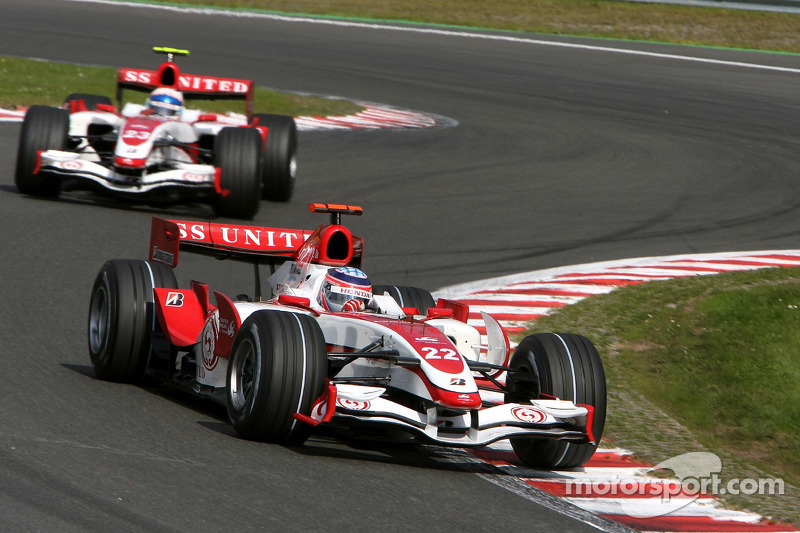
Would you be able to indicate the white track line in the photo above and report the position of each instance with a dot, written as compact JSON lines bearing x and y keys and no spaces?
{"x":430,"y":30}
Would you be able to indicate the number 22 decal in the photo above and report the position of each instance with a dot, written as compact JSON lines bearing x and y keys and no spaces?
{"x":436,"y":353}
{"x":138,"y":135}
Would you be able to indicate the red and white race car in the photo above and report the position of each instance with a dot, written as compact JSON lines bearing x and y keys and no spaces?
{"x":161,"y":151}
{"x":329,"y":348}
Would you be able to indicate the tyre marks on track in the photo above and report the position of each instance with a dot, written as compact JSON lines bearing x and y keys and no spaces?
{"x":613,"y":485}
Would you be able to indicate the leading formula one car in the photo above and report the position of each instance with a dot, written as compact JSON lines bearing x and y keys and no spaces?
{"x":161,"y":151}
{"x":327,"y":348}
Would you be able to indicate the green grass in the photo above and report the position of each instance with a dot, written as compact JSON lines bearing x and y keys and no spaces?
{"x":28,"y":82}
{"x":732,"y":28}
{"x":718,"y":354}
{"x":34,"y":82}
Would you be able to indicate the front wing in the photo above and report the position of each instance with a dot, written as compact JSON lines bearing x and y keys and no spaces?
{"x":69,"y":164}
{"x":551,"y":419}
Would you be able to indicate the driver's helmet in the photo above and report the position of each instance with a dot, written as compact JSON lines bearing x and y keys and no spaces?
{"x":345,"y":289}
{"x":165,"y":102}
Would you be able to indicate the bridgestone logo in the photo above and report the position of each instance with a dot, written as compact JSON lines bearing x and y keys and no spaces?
{"x":174,"y":299}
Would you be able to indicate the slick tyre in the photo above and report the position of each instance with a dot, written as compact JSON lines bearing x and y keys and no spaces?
{"x":44,"y":128}
{"x":421,"y":299}
{"x":568,"y":367}
{"x":277,"y":368}
{"x":121,"y":317}
{"x":91,"y":101}
{"x":279,"y":157}
{"x":237,"y":152}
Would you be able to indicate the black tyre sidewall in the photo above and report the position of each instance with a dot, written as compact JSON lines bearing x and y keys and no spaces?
{"x":279,"y":157}
{"x":554,"y":358}
{"x":126,"y":287}
{"x":44,"y":128}
{"x":237,"y":151}
{"x":290,"y":368}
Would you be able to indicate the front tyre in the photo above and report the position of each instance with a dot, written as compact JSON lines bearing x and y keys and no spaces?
{"x":279,"y":158}
{"x":121,"y":317}
{"x":277,"y":368}
{"x":568,"y":367}
{"x":237,"y":152}
{"x":44,"y":128}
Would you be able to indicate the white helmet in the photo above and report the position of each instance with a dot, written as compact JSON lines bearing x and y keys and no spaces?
{"x":345,"y":289}
{"x":165,"y":102}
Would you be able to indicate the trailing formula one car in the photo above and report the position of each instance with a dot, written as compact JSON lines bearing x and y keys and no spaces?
{"x":329,"y":348}
{"x":161,"y":151}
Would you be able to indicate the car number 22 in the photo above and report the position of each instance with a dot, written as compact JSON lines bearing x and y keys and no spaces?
{"x":439,"y":353}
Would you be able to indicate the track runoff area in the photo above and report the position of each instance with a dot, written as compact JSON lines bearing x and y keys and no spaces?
{"x":613,"y":485}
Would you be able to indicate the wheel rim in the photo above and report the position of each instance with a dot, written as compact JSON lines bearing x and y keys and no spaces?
{"x":99,"y":316}
{"x":244,"y":375}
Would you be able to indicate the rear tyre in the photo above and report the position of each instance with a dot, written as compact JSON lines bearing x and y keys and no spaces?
{"x":237,"y":151}
{"x":279,"y":158}
{"x":44,"y":128}
{"x":121,"y":317}
{"x":568,"y":367}
{"x":91,"y":101}
{"x":277,"y":368}
{"x":408,"y":296}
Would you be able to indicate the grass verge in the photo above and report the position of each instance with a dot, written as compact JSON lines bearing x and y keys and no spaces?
{"x":718,"y":355}
{"x":27,"y":82}
{"x":709,"y":26}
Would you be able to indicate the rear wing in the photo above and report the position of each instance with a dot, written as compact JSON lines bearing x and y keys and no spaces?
{"x":331,"y":244}
{"x":193,"y":86}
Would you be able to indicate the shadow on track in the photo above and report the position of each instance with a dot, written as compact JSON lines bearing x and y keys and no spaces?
{"x":325,"y":442}
{"x":166,"y":208}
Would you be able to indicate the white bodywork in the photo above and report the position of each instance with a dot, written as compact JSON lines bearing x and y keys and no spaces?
{"x":139,"y":164}
{"x":492,"y":419}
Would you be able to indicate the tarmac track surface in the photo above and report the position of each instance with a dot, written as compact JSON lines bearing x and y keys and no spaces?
{"x":561,"y":156}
